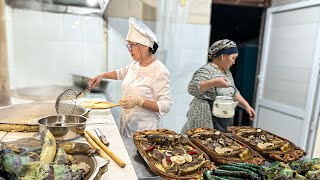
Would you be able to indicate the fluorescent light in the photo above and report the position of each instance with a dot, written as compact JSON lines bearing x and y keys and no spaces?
{"x":92,"y":2}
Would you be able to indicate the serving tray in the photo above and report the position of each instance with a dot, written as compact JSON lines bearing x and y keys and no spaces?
{"x":222,"y":148}
{"x":266,"y":143}
{"x":171,"y":155}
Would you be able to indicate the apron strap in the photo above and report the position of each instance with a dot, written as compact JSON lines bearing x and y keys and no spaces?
{"x":210,"y":102}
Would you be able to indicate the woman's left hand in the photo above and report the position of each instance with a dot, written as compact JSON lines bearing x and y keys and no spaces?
{"x":251,"y":113}
{"x":129,"y":102}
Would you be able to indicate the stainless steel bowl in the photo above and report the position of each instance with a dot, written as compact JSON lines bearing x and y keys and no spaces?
{"x":95,"y":163}
{"x":63,"y":132}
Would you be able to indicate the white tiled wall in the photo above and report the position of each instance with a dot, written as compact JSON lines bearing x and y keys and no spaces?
{"x":45,"y":48}
{"x":186,"y":52}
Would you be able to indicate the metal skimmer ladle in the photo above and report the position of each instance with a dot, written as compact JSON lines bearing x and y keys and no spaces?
{"x":66,"y":101}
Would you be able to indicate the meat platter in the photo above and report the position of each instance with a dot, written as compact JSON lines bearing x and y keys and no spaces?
{"x":171,"y":155}
{"x":223,"y":149}
{"x":266,"y":143}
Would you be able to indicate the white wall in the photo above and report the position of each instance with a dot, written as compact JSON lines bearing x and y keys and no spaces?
{"x":189,"y":53}
{"x":45,"y":48}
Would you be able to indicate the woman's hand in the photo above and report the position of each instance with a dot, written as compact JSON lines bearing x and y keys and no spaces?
{"x":221,"y":82}
{"x":96,"y":80}
{"x":129,"y":102}
{"x":244,"y":104}
{"x":251,"y":113}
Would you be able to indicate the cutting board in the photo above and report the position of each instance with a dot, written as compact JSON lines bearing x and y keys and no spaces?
{"x":28,"y":113}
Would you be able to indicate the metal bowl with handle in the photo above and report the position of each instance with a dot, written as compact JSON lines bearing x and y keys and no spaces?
{"x":63,"y":132}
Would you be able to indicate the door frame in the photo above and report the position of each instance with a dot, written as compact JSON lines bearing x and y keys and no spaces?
{"x":306,"y":113}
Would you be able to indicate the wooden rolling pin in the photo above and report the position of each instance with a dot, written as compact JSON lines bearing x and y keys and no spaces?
{"x":95,"y":146}
{"x":107,"y":150}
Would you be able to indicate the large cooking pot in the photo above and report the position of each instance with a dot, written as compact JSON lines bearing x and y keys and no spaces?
{"x":63,"y":132}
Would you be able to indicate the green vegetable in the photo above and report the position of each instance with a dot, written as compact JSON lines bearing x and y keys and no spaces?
{"x":231,"y":178}
{"x":313,"y":174}
{"x":288,"y":173}
{"x":244,"y":165}
{"x":235,"y":168}
{"x":37,"y":170}
{"x":207,"y":175}
{"x":13,"y":164}
{"x":62,"y":172}
{"x":256,"y":169}
{"x":303,"y":166}
{"x":240,"y":174}
{"x":61,"y":157}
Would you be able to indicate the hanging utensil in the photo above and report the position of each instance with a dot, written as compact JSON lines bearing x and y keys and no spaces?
{"x":66,"y":101}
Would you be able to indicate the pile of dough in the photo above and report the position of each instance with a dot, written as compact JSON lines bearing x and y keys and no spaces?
{"x":95,"y":104}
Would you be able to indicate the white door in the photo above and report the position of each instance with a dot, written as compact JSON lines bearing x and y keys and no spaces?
{"x":289,"y":71}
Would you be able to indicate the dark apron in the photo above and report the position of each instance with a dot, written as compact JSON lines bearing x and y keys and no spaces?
{"x":220,"y":124}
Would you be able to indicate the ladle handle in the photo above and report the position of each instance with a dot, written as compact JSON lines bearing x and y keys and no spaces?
{"x":58,"y":123}
{"x":86,"y":90}
{"x":235,"y":91}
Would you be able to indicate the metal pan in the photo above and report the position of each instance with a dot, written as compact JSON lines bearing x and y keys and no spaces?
{"x":62,"y":132}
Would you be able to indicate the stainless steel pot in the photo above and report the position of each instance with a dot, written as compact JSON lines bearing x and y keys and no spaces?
{"x":62,"y":132}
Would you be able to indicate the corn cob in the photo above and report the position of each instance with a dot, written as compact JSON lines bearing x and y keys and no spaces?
{"x":49,"y":146}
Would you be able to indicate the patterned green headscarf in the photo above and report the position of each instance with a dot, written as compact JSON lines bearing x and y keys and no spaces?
{"x":219,"y":45}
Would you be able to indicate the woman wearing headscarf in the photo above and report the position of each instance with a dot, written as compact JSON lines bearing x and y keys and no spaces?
{"x":211,"y":80}
{"x":145,"y":82}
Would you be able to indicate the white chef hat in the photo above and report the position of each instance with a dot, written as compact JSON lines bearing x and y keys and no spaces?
{"x":140,"y":33}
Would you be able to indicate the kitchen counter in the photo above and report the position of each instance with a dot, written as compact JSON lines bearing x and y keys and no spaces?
{"x":109,"y":128}
{"x":140,"y":166}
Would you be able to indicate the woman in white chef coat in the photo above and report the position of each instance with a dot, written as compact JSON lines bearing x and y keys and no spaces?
{"x":145,"y":82}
